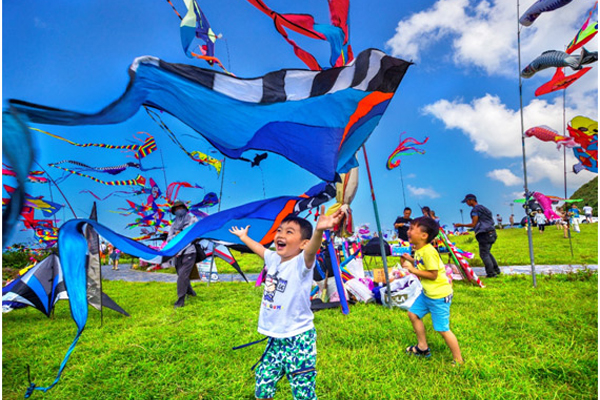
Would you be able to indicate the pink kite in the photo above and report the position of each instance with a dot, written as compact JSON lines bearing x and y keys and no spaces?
{"x":546,"y":204}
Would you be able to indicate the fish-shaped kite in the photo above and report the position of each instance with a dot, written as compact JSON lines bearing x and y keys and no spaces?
{"x":539,"y":7}
{"x":547,"y":134}
{"x":555,"y":58}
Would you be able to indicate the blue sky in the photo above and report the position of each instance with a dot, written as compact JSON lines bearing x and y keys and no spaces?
{"x":462,"y":93}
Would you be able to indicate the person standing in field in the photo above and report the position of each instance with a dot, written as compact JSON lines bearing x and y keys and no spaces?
{"x":186,"y":258}
{"x":574,"y":218}
{"x":587,"y":210}
{"x":540,"y":220}
{"x":482,"y":222}
{"x":499,"y":219}
{"x":402,"y":224}
{"x":511,"y":220}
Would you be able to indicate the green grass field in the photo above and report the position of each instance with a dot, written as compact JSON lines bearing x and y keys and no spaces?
{"x":518,"y":343}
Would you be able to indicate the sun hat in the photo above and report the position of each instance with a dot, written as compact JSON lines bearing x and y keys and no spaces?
{"x":178,"y":203}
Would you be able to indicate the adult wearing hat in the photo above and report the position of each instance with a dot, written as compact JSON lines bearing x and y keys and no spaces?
{"x":185,"y":259}
{"x":482,"y":222}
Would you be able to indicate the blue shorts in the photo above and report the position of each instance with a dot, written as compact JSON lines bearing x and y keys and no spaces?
{"x":439,"y":309}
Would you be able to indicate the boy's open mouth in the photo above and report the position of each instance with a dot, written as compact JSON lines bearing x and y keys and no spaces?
{"x":280,"y":245}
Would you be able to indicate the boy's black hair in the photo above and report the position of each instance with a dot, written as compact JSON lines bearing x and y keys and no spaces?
{"x":427,"y":225}
{"x":407,"y":209}
{"x":306,"y":229}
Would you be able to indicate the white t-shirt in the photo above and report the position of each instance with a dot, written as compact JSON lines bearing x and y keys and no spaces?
{"x":587,"y":210}
{"x":285,"y":307}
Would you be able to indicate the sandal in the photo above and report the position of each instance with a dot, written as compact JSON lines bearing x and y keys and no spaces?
{"x":416,"y":351}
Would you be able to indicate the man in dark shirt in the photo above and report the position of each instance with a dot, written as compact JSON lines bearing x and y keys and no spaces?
{"x":482,"y":222}
{"x":402,"y":224}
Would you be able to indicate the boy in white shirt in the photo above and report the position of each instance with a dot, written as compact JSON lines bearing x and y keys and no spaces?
{"x":285,"y":314}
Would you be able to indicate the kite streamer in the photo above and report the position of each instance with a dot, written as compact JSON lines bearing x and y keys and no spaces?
{"x":141,"y":151}
{"x":173,"y":190}
{"x":210,"y":200}
{"x":34,"y":176}
{"x":336,"y":33}
{"x":48,"y":208}
{"x":459,"y":259}
{"x":560,"y":81}
{"x":139,"y":180}
{"x":404,"y":150}
{"x":194,"y":155}
{"x":585,"y":34}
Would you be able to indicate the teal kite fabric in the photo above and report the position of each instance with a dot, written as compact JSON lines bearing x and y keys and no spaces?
{"x":328,"y":114}
{"x":264,"y":216}
{"x":18,"y":150}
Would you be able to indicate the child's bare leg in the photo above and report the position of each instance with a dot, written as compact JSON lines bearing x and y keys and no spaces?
{"x":419,"y":328}
{"x":452,"y":343}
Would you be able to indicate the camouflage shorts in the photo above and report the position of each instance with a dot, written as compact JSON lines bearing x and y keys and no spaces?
{"x":296,"y":357}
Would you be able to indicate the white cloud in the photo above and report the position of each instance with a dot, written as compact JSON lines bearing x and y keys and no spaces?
{"x":423,"y":192}
{"x":505,"y":176}
{"x":484,"y":34}
{"x":495,"y":130}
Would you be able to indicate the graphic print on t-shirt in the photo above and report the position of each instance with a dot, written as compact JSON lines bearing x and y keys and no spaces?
{"x":273,"y":284}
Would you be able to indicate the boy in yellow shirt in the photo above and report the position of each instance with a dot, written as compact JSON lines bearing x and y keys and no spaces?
{"x":437,"y":291}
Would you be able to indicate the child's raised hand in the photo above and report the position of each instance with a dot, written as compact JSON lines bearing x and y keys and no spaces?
{"x":329,"y":221}
{"x":239,"y":232}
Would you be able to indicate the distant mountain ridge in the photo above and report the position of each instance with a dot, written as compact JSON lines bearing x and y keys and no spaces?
{"x":589,"y":193}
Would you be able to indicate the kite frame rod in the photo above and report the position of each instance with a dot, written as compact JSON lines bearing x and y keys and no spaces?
{"x":381,"y":247}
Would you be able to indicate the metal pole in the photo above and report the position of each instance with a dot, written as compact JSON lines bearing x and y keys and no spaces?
{"x":402,"y":180}
{"x":529,"y":237}
{"x":462,"y":220}
{"x":223,"y":180}
{"x":381,"y":247}
{"x":565,"y":168}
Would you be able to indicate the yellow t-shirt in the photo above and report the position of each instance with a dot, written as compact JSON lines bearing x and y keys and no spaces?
{"x":428,"y":259}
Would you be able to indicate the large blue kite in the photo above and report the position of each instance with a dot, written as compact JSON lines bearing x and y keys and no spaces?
{"x":327,"y":114}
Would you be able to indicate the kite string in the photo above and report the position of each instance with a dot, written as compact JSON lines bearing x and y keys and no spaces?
{"x":174,"y":9}
{"x":57,"y":187}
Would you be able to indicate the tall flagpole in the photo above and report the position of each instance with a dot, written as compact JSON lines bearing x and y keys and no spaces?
{"x":565,"y":165}
{"x":527,"y":196}
{"x":381,"y":246}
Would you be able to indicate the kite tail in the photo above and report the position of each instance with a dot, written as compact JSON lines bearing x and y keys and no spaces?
{"x":32,"y":385}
